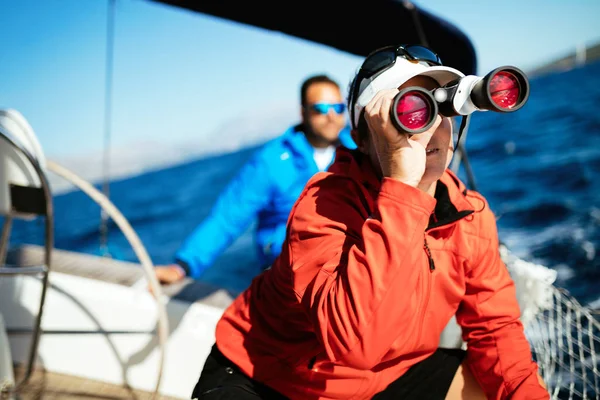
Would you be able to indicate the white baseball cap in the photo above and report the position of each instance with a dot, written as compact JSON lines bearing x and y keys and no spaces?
{"x":393,"y":77}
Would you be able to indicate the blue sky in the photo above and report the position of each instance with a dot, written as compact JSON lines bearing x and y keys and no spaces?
{"x":186,"y":83}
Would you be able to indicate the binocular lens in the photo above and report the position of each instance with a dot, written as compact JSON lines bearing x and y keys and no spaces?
{"x":504,"y":89}
{"x":414,"y":110}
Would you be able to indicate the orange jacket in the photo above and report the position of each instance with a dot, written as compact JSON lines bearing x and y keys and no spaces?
{"x":365,"y":284}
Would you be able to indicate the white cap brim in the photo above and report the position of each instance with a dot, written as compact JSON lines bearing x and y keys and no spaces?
{"x":399,"y":73}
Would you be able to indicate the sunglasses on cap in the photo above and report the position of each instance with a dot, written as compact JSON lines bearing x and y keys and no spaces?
{"x":384,"y":58}
{"x":323,"y":108}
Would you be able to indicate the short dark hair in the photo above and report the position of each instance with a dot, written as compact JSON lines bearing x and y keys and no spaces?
{"x":312,"y":80}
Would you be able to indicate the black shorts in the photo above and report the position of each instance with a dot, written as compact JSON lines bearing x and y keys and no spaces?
{"x":430,"y":379}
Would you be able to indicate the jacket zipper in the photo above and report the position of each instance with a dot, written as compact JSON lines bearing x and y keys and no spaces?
{"x":428,"y":293}
{"x":432,"y":267}
{"x":429,"y":256}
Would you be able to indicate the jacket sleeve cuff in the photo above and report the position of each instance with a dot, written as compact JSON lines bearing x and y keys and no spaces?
{"x":185,"y":266}
{"x":408,"y":195}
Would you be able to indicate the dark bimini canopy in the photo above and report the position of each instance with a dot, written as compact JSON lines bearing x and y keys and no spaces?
{"x":354,"y":27}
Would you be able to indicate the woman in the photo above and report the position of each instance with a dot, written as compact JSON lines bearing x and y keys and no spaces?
{"x":380,"y":252}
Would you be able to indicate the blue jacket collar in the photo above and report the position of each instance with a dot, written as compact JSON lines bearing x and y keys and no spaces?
{"x":295,"y":140}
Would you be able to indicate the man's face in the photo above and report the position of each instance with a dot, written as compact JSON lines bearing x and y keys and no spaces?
{"x":326,"y":126}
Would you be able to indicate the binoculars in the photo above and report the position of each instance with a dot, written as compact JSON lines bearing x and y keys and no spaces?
{"x":504,"y":89}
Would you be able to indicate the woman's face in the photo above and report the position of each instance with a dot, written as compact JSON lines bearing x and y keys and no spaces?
{"x":440,"y":148}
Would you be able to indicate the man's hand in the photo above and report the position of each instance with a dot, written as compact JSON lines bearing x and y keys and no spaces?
{"x":168,"y":274}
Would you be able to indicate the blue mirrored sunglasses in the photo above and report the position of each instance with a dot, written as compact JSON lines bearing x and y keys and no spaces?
{"x":323,"y":108}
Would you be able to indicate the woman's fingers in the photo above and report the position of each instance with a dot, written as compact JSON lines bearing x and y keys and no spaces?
{"x":377,"y":115}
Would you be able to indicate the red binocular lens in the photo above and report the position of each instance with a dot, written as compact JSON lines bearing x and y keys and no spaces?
{"x":414,"y":110}
{"x":505,"y":89}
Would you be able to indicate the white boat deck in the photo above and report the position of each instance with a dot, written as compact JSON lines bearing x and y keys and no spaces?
{"x":99,"y":328}
{"x":44,"y":385}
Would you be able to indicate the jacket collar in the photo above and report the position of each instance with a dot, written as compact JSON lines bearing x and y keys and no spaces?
{"x":295,"y":138}
{"x":302,"y":151}
{"x":451,"y":204}
{"x":450,"y":194}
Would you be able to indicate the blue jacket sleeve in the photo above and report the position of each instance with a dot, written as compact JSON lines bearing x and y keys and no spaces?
{"x":235,"y":209}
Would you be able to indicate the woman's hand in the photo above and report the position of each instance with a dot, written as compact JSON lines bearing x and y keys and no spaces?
{"x":400,"y":157}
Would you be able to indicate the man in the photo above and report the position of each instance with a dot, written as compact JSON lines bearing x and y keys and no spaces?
{"x":381,"y":251}
{"x":269,"y":184}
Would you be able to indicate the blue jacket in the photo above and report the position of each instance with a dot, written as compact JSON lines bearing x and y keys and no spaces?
{"x":265,"y":188}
